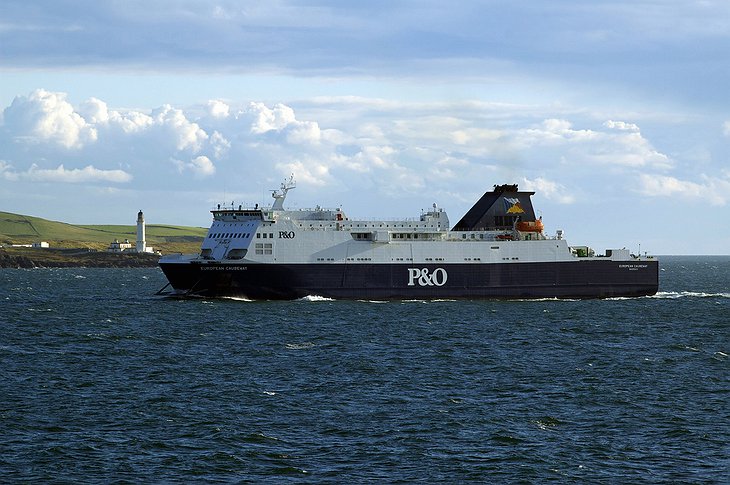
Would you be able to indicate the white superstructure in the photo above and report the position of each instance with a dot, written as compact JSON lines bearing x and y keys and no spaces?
{"x":319,"y":235}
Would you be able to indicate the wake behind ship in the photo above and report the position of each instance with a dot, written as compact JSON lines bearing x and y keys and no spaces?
{"x":497,"y":250}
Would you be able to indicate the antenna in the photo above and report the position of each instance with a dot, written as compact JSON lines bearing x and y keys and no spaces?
{"x":280,"y":194}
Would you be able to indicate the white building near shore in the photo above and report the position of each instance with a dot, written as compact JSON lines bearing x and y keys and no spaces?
{"x":119,"y":247}
{"x":35,"y":245}
{"x":126,"y":246}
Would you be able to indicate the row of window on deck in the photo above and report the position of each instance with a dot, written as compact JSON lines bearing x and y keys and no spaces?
{"x":240,"y":235}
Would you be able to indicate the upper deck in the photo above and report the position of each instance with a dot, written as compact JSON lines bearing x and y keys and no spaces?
{"x":504,"y":214}
{"x":500,"y":227}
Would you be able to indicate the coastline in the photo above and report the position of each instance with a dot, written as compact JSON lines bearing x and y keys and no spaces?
{"x":28,"y":258}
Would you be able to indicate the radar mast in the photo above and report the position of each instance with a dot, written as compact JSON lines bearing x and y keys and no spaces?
{"x":280,"y":194}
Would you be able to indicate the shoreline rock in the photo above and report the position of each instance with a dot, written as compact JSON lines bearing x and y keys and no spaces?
{"x":44,"y":258}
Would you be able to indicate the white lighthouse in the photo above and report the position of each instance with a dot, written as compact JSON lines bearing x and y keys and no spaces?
{"x":141,"y":243}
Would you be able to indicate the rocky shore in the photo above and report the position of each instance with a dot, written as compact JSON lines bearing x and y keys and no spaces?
{"x":73,"y":258}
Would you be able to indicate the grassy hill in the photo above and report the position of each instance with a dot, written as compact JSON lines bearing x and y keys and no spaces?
{"x":19,"y":229}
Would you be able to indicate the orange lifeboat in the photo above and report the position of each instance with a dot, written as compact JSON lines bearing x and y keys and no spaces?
{"x":530,"y":226}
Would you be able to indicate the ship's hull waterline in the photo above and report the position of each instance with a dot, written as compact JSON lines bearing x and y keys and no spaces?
{"x":581,"y":279}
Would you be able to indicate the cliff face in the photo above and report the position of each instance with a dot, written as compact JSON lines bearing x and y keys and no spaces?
{"x":70,"y":258}
{"x":15,"y":261}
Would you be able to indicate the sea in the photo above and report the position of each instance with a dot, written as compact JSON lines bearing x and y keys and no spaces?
{"x":103,"y":381}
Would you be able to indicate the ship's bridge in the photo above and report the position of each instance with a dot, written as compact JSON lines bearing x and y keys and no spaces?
{"x":233,"y":214}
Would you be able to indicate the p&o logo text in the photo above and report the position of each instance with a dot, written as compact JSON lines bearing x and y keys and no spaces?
{"x":423,"y":277}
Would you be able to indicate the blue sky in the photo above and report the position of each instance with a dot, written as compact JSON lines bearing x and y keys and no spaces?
{"x":615,"y":113}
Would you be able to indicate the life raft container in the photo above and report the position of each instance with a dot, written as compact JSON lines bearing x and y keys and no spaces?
{"x":530,"y":226}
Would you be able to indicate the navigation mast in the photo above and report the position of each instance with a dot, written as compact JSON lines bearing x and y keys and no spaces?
{"x":280,"y":194}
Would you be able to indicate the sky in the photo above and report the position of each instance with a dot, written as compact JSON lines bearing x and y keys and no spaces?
{"x":616,"y":113}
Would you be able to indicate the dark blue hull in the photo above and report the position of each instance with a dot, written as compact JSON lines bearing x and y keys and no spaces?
{"x":574,"y":279}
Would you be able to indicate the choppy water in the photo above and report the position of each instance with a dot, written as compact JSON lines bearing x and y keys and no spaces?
{"x":101,"y":381}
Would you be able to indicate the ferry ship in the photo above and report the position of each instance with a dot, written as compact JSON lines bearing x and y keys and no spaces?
{"x":498,"y":250}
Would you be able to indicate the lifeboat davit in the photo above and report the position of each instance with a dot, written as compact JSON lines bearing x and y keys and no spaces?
{"x":530,"y":226}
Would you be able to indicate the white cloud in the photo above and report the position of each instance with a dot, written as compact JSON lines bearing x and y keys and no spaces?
{"x":713,"y":190}
{"x":622,"y":146}
{"x":394,"y":150}
{"x":395,"y":144}
{"x":281,"y":119}
{"x":621,"y":125}
{"x":7,"y":172}
{"x":220,"y":144}
{"x":631,"y":149}
{"x":187,"y":135}
{"x":525,"y":141}
{"x":559,"y":131}
{"x":373,"y":157}
{"x":44,"y":116}
{"x":63,"y":175}
{"x":304,"y":132}
{"x":94,"y":111}
{"x":268,"y":119}
{"x":550,"y":190}
{"x":218,"y":109}
{"x":309,"y":172}
{"x":201,"y":166}
{"x":130,"y":122}
{"x":726,"y":128}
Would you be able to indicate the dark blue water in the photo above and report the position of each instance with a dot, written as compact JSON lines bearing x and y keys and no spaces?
{"x":101,"y":381}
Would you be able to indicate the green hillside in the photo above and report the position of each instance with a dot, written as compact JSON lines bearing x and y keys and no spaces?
{"x":19,"y":229}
